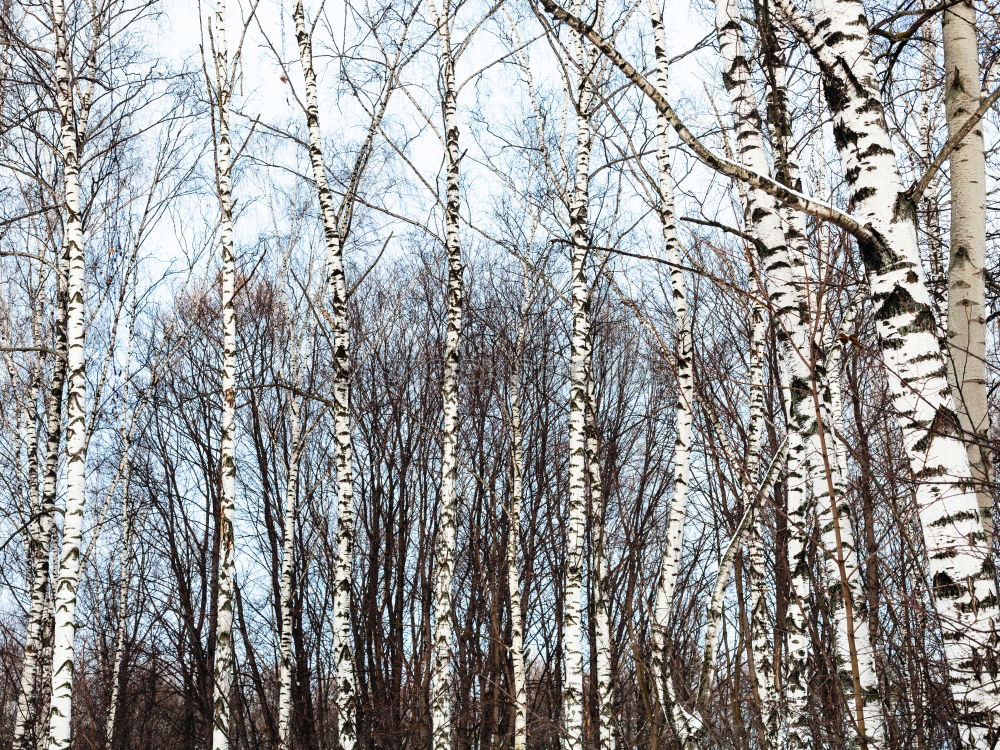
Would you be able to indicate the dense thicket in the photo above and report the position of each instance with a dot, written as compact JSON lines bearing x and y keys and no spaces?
{"x":480,"y":375}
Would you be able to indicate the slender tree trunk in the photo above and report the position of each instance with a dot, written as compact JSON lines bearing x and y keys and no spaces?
{"x":40,"y":532}
{"x":756,"y":559}
{"x":64,"y":630}
{"x":333,"y":233}
{"x":285,"y":671}
{"x":600,"y":579}
{"x":118,"y":649}
{"x":684,"y":414}
{"x":837,"y":533}
{"x":124,"y":585}
{"x":580,"y":353}
{"x":520,"y":691}
{"x":224,"y":652}
{"x":444,"y":547}
{"x":967,"y":257}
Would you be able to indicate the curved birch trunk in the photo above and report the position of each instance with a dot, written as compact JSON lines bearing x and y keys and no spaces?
{"x":224,"y":652}
{"x":333,"y":234}
{"x":574,"y":602}
{"x":967,"y":256}
{"x":444,"y":548}
{"x":64,"y":626}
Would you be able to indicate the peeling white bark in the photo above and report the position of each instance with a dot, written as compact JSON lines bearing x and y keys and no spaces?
{"x":670,"y":560}
{"x":224,"y":652}
{"x":64,"y":628}
{"x":334,"y":229}
{"x":444,"y":547}
{"x":574,"y":602}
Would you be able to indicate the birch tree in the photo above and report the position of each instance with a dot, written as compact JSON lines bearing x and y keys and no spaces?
{"x":444,"y":544}
{"x":579,"y":367}
{"x":224,"y":663}
{"x":64,"y":628}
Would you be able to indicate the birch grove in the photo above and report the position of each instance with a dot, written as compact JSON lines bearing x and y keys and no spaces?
{"x":499,"y":375}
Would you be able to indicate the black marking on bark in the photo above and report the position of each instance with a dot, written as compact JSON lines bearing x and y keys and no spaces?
{"x":945,"y":587}
{"x":945,"y":423}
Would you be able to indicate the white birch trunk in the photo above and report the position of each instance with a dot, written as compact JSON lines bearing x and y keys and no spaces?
{"x":64,"y":628}
{"x":124,"y":470}
{"x":296,"y":436}
{"x":684,"y":415}
{"x":40,"y":529}
{"x":444,"y":548}
{"x":224,"y":651}
{"x":779,"y":269}
{"x":600,"y":582}
{"x":756,"y":559}
{"x":118,"y":649}
{"x":337,"y":295}
{"x":574,"y":602}
{"x":520,"y":689}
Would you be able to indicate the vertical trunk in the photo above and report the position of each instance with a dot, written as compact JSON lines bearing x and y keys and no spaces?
{"x":670,"y":560}
{"x":118,"y":649}
{"x":574,"y":601}
{"x":600,"y":582}
{"x":514,"y":534}
{"x":40,"y":531}
{"x":286,"y":666}
{"x":837,"y":533}
{"x":124,"y":470}
{"x":224,"y":652}
{"x":779,"y":268}
{"x":444,"y":547}
{"x":756,"y":559}
{"x":967,"y":256}
{"x":333,"y":234}
{"x":64,"y":628}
